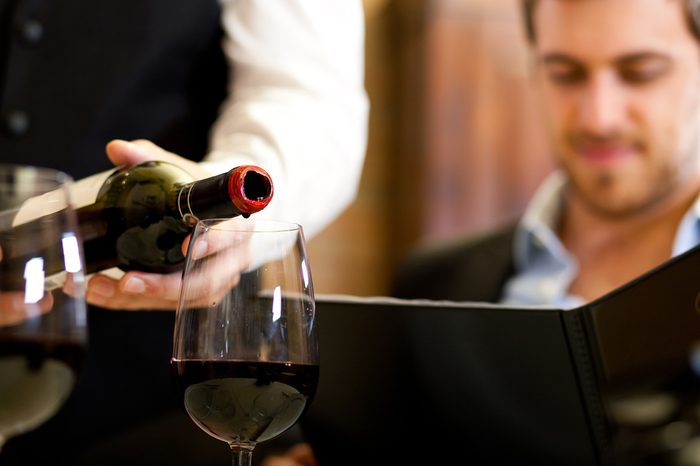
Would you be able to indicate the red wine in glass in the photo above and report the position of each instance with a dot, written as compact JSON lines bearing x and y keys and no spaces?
{"x":37,"y":377}
{"x":244,"y":401}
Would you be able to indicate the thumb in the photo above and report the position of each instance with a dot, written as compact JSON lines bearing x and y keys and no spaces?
{"x":129,"y":153}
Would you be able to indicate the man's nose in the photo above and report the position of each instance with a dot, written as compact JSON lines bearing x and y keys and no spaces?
{"x":602,"y":105}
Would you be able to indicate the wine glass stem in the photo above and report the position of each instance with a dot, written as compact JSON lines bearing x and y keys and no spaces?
{"x":242,"y":455}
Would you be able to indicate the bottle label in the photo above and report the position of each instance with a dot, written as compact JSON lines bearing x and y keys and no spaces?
{"x":57,"y":280}
{"x":82,"y":193}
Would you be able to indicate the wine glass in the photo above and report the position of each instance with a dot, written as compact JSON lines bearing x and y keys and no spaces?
{"x":43,"y":325}
{"x":245,"y":351}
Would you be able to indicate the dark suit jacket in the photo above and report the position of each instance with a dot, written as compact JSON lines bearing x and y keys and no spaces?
{"x":473,"y":268}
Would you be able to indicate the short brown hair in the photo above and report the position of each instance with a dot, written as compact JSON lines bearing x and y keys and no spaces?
{"x":692,"y":12}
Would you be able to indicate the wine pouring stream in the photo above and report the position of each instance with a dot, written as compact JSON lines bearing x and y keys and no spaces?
{"x":43,"y":332}
{"x":245,"y":352}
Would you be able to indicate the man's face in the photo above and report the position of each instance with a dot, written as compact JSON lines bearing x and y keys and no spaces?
{"x":620,"y":81}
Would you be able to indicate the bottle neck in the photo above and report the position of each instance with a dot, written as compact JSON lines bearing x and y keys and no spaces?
{"x":243,"y":190}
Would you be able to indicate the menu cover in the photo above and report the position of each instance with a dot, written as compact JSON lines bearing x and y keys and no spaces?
{"x":616,"y":381}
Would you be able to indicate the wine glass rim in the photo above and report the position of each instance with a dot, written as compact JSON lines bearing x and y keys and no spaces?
{"x":248,"y":224}
{"x":44,"y":173}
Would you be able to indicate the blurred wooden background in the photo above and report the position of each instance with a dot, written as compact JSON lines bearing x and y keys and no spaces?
{"x":455,"y":139}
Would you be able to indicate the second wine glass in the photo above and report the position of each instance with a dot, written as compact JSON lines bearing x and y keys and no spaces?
{"x":43,"y":320}
{"x":245,"y":351}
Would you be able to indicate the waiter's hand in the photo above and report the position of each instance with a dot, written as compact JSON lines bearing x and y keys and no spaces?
{"x":13,"y":309}
{"x":140,"y":290}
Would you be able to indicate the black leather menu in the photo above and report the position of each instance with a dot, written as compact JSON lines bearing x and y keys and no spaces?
{"x":616,"y":381}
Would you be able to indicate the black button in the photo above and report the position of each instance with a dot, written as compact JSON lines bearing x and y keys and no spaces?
{"x":16,"y":123}
{"x":31,"y":31}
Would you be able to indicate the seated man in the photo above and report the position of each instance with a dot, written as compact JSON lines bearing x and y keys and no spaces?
{"x":619,"y":85}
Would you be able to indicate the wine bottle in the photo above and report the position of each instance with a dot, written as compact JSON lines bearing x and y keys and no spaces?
{"x":138,"y":218}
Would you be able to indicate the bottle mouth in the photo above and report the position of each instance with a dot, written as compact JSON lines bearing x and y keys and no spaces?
{"x":250,"y":188}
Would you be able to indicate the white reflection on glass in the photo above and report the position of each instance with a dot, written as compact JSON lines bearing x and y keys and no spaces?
{"x":304,"y":274}
{"x":71,"y":253}
{"x":276,"y":304}
{"x":34,"y":280}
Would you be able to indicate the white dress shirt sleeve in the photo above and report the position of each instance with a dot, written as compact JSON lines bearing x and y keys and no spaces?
{"x":297,"y":105}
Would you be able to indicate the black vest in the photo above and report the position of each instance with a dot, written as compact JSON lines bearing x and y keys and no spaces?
{"x":75,"y":74}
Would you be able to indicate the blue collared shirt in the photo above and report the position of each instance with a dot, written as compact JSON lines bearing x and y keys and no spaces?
{"x":545,"y":268}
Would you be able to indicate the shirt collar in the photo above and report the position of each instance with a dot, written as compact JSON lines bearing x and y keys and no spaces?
{"x":536,"y":233}
{"x":537,"y":228}
{"x":688,"y":234}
